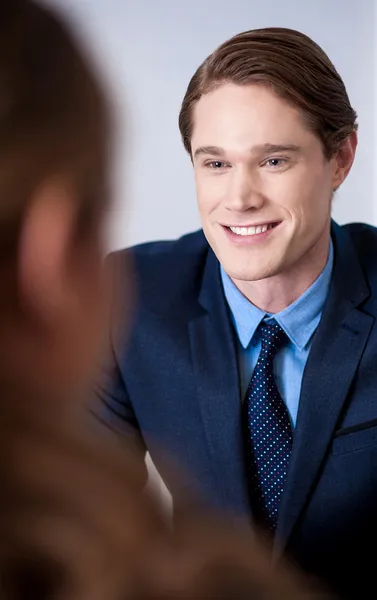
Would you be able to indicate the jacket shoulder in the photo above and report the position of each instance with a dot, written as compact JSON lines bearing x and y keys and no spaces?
{"x":361,"y":231}
{"x":167,"y":274}
{"x":364,"y":240}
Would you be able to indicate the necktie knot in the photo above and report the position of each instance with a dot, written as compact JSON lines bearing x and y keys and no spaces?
{"x":273,"y":337}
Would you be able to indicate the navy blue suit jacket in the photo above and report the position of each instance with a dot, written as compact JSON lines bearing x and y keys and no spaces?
{"x":175,"y":384}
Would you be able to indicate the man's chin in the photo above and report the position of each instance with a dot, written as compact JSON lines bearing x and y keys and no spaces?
{"x":253,"y":277}
{"x":249,"y":275}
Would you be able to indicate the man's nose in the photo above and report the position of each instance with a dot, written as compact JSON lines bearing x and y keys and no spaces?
{"x":244,"y":191}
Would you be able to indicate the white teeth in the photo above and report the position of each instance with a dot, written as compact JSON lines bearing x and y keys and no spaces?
{"x":250,"y":230}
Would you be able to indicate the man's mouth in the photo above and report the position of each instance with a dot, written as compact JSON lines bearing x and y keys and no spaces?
{"x":252,"y":229}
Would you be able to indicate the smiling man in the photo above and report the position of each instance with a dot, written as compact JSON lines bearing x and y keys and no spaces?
{"x":252,"y":361}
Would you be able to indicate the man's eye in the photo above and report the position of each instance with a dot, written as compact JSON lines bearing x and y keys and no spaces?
{"x":216,"y":165}
{"x":275,"y":162}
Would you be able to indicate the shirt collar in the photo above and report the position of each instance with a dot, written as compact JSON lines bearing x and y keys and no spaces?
{"x":299,"y":320}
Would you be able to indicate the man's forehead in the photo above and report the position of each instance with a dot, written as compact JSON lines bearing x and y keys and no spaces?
{"x":246,"y":116}
{"x":251,"y":98}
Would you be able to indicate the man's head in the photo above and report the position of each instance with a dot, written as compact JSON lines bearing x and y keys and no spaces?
{"x":271,"y":133}
{"x":54,"y":153}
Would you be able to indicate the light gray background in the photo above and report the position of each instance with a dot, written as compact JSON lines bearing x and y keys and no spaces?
{"x":149,"y":49}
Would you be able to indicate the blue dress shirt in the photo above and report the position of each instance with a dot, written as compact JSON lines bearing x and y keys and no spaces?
{"x":299,"y":321}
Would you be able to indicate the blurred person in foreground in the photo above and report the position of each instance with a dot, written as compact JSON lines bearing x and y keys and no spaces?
{"x":74,"y":523}
{"x":60,"y":488}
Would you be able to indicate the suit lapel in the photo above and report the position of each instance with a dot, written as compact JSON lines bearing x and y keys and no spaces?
{"x":333,"y":361}
{"x":216,"y":375}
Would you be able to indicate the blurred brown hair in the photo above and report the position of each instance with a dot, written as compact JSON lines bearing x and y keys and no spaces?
{"x":293,"y":65}
{"x":54,"y":118}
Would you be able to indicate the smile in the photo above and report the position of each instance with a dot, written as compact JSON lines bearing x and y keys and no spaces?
{"x":253,"y":230}
{"x":249,"y":235}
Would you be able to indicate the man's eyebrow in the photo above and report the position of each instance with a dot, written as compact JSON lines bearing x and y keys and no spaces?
{"x":276,"y":148}
{"x":265,"y":148}
{"x":213,"y":150}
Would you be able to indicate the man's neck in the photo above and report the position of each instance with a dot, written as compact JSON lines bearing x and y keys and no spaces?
{"x":274,"y":294}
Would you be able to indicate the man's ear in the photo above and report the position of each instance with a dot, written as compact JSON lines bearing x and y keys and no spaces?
{"x":344,"y":159}
{"x":44,"y":246}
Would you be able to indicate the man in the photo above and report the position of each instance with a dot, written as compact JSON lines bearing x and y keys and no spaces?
{"x":73,"y":521}
{"x":252,"y":357}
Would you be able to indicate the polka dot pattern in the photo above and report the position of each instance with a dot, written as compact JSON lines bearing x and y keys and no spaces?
{"x":268,"y":429}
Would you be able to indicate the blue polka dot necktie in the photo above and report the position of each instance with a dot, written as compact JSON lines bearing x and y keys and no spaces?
{"x":268,"y":430}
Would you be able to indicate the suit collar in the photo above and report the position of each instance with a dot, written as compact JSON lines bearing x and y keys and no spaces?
{"x":214,"y":359}
{"x":210,"y":286}
{"x":348,"y":278}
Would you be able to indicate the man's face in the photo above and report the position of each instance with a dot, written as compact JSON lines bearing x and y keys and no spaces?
{"x":263,"y":183}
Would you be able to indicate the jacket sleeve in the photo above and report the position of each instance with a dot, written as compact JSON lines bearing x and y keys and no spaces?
{"x":110,"y":404}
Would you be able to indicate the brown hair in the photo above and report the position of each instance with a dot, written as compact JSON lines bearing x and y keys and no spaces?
{"x":295,"y":67}
{"x":54,"y":118}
